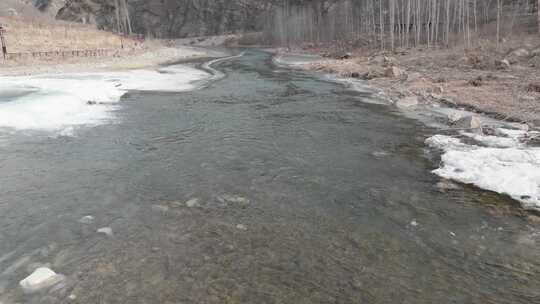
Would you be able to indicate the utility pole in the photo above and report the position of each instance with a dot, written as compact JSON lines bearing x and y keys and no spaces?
{"x":3,"y":42}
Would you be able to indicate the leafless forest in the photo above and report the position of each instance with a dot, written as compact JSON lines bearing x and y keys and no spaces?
{"x":389,"y":24}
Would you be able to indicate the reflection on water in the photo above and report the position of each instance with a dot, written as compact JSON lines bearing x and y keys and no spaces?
{"x":304,"y":194}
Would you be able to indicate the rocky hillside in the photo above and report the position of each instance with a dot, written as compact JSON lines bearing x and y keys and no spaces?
{"x":164,"y":18}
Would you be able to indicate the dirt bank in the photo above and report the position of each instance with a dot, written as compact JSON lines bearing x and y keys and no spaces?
{"x":504,"y":84}
{"x":133,"y":59}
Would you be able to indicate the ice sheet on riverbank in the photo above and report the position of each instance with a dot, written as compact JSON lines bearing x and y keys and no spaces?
{"x":291,"y":59}
{"x":60,"y":102}
{"x":494,"y":164}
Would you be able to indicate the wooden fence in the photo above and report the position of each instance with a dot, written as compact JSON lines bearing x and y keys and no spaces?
{"x":61,"y":54}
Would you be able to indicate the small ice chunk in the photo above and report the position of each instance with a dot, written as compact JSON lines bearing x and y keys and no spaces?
{"x":40,"y":279}
{"x":194,"y":202}
{"x":87,"y":220}
{"x":105,"y":230}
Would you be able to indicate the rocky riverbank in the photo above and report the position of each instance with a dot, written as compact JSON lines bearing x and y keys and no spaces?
{"x":504,"y":85}
{"x":484,"y":138}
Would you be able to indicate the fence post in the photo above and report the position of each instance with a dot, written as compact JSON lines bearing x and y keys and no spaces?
{"x":3,"y":41}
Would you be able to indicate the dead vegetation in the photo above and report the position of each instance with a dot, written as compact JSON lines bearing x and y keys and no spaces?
{"x":504,"y":82}
{"x":30,"y":35}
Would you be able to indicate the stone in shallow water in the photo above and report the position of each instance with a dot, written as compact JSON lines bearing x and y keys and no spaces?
{"x":407,"y":102}
{"x":233,"y":199}
{"x":194,"y":202}
{"x":241,"y":227}
{"x":160,"y":208}
{"x":468,"y":122}
{"x":87,"y":220}
{"x":105,"y":230}
{"x":40,"y":279}
{"x":380,"y":154}
{"x":447,"y":185}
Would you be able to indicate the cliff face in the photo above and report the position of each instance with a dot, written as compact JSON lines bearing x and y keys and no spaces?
{"x":165,"y":18}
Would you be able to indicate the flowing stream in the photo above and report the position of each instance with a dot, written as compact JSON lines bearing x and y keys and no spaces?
{"x":300,"y":192}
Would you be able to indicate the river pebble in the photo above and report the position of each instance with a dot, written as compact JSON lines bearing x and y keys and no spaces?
{"x":241,"y":227}
{"x":194,"y":202}
{"x":87,"y":220}
{"x":106,"y":230}
{"x":40,"y":279}
{"x":233,"y":199}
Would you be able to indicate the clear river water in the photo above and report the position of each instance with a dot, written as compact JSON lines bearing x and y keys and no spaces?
{"x":300,"y":192}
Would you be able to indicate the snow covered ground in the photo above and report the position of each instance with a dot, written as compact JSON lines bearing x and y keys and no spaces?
{"x":60,"y":102}
{"x":502,"y":163}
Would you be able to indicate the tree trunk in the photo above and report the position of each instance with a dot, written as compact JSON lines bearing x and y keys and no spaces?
{"x":498,"y":22}
{"x":538,"y":9}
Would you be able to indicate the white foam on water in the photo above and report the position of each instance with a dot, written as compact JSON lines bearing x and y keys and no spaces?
{"x":61,"y":102}
{"x":500,"y":165}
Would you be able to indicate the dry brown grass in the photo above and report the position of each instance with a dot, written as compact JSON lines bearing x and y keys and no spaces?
{"x":40,"y":34}
{"x":441,"y":74}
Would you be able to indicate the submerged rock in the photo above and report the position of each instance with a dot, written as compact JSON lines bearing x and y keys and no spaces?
{"x":241,"y":227}
{"x":407,"y":102}
{"x":106,"y":231}
{"x":87,"y":220}
{"x":468,"y":122}
{"x":233,"y":199}
{"x":41,"y":278}
{"x":160,"y":208}
{"x":454,"y":116}
{"x":194,"y":202}
{"x":446,"y":185}
{"x":380,"y":154}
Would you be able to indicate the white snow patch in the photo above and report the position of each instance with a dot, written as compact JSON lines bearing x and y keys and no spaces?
{"x":494,"y":141}
{"x":513,"y":170}
{"x":61,"y":102}
{"x":291,"y":59}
